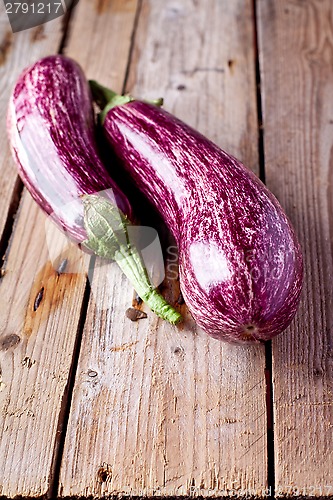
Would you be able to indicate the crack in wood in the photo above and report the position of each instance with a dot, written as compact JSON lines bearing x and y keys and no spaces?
{"x":268,"y":345}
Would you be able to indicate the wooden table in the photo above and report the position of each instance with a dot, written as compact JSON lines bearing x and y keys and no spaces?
{"x":93,"y":404}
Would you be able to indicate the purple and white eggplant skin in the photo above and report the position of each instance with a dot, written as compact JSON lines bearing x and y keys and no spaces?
{"x":240,"y":264}
{"x":51,"y":132}
{"x":52,"y":137}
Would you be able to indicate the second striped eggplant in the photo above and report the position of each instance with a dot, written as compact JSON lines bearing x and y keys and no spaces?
{"x":240,"y":264}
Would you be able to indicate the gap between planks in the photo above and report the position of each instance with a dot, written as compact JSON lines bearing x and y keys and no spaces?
{"x":268,"y":344}
{"x":67,"y":20}
{"x":9,"y":224}
{"x":131,"y":49}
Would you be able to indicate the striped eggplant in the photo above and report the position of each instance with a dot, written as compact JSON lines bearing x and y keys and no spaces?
{"x":240,"y":264}
{"x":51,"y":132}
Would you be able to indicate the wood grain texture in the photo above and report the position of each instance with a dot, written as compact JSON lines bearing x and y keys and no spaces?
{"x":161,"y":410}
{"x":16,"y":52}
{"x":40,"y":312}
{"x":100,"y":38}
{"x":296,"y":50}
{"x":40,"y":308}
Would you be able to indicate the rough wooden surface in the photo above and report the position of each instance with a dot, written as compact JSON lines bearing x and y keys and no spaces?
{"x":36,"y":346}
{"x":38,"y":328}
{"x":100,"y":38}
{"x":16,"y":52}
{"x":158,"y":409}
{"x":296,"y":44}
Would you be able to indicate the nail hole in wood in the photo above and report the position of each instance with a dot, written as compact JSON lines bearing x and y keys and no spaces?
{"x":231,"y":64}
{"x":178,"y":350}
{"x":38,"y":299}
{"x":104,"y":473}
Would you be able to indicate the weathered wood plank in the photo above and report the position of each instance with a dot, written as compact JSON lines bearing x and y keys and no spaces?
{"x":108,"y":25}
{"x":296,"y":49}
{"x":161,"y":410}
{"x":40,"y":311}
{"x":16,"y":52}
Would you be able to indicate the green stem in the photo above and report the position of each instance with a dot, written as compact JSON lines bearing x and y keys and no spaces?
{"x":102,"y":95}
{"x":133,"y":268}
{"x":107,"y":99}
{"x":108,"y":237}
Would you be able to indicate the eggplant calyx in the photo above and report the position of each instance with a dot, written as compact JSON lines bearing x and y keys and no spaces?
{"x":107,"y":99}
{"x":108,"y":237}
